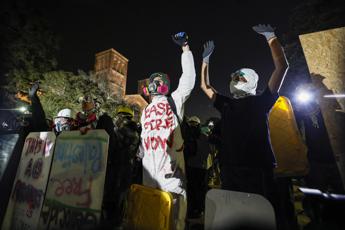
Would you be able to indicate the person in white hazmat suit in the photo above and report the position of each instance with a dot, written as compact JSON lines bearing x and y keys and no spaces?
{"x":161,"y":138}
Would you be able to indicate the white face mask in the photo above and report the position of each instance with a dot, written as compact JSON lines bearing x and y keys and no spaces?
{"x":240,"y":89}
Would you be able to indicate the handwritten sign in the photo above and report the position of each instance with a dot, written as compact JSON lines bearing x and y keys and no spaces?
{"x":24,"y":207}
{"x":75,"y":188}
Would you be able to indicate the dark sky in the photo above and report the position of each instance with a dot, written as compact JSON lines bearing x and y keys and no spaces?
{"x":142,"y":34}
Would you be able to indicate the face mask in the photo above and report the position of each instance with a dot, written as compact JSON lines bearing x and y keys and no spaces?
{"x":156,"y":88}
{"x":240,"y":89}
{"x":61,"y":126}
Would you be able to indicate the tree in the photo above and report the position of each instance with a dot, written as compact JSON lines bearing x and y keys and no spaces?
{"x":62,"y":89}
{"x":28,"y":54}
{"x":28,"y":45}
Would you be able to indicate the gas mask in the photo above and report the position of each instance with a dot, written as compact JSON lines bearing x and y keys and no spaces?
{"x":155,"y":86}
{"x":62,"y":124}
{"x":122,"y":119}
{"x":243,"y":83}
{"x":63,"y":121}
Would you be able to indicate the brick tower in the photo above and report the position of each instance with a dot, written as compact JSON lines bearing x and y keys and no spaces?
{"x":111,"y":72}
{"x":111,"y":75}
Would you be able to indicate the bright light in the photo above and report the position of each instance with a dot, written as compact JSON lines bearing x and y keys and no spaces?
{"x":304,"y":96}
{"x":22,"y":109}
{"x":335,"y":95}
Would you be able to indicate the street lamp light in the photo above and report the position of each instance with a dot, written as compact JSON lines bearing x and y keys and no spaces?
{"x":304,"y":96}
{"x":23,"y":109}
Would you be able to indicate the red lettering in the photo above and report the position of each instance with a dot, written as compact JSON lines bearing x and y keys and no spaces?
{"x":155,"y":142}
{"x":169,"y":122}
{"x":34,"y":145}
{"x":74,"y":187}
{"x":147,"y":143}
{"x":168,"y":109}
{"x":161,"y":142}
{"x":147,"y":113}
{"x":153,"y":110}
{"x":154,"y":147}
{"x":161,"y":106}
{"x":146,"y":125}
{"x":87,"y":192}
{"x":158,"y":124}
{"x":38,"y":145}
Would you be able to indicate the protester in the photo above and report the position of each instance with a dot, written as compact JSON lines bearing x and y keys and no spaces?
{"x":62,"y":122}
{"x":128,"y":138}
{"x":162,"y":142}
{"x":246,"y":157}
{"x":196,"y":151}
{"x":87,"y":118}
{"x":212,"y":130}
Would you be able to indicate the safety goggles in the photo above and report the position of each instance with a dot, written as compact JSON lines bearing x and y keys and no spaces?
{"x":238,"y":76}
{"x":125,"y":115}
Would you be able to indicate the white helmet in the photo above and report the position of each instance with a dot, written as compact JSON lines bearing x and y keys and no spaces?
{"x":65,"y":113}
{"x":62,"y":120}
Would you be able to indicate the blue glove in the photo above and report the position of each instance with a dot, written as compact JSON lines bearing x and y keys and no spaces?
{"x":266,"y":30}
{"x":208,"y":50}
{"x":180,"y":39}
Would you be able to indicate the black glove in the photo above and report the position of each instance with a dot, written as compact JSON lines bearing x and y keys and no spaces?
{"x":33,"y":90}
{"x":180,"y":38}
{"x":208,"y":50}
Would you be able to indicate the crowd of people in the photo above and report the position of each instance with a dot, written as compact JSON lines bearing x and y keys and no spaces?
{"x":169,"y":151}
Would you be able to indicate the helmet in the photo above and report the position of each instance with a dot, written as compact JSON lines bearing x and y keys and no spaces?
{"x":194,"y":119}
{"x":63,"y":120}
{"x":124,"y":110}
{"x":67,"y":113}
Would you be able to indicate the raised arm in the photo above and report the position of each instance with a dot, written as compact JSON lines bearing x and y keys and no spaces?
{"x":38,"y":115}
{"x":205,"y":82}
{"x":280,"y":62}
{"x":187,"y":79}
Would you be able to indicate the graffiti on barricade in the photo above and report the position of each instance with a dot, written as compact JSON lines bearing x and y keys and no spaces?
{"x":65,"y":217}
{"x":26,"y":193}
{"x":25,"y":203}
{"x":75,"y":189}
{"x":74,"y":186}
{"x":87,"y":155}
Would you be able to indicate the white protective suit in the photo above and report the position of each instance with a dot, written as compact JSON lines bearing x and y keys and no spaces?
{"x":162,"y":143}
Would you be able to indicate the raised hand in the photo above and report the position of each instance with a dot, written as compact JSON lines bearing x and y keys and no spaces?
{"x":266,"y":30}
{"x":208,"y":50}
{"x":180,"y":39}
{"x":33,"y":89}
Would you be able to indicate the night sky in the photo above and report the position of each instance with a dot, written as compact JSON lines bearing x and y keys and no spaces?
{"x":142,"y":34}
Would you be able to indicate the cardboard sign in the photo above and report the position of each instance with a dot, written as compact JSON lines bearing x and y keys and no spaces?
{"x":25,"y":203}
{"x":75,"y":188}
